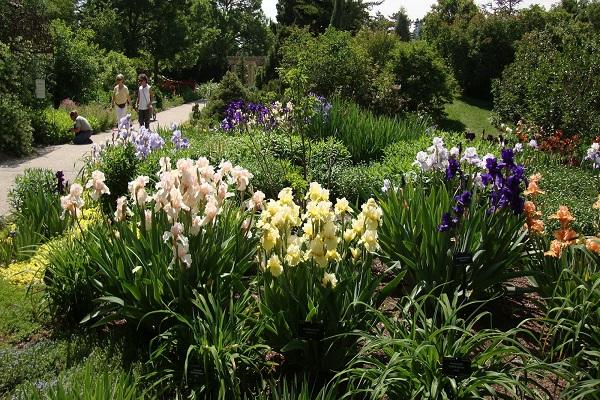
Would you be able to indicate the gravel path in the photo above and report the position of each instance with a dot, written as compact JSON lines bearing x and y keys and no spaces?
{"x":68,"y":157}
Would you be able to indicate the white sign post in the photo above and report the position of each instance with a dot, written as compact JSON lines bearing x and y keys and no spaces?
{"x":40,"y":88}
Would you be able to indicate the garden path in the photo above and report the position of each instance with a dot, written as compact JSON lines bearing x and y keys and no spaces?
{"x":68,"y":157}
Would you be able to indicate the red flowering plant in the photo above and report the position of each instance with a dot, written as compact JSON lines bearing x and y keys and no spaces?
{"x":554,"y":141}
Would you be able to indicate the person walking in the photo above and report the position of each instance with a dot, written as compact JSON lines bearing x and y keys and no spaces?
{"x":82,"y":129}
{"x":144,"y":101}
{"x":121,"y":98}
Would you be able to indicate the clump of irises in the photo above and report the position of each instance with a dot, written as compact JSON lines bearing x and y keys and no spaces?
{"x":502,"y":179}
{"x":179,"y":141}
{"x":240,"y":114}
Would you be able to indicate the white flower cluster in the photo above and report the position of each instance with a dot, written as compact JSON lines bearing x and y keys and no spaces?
{"x":593,"y":155}
{"x":436,"y":158}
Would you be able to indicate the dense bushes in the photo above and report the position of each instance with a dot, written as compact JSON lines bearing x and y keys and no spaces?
{"x":76,"y":64}
{"x":332,"y":63}
{"x":553,"y":82}
{"x":16,"y":134}
{"x":425,"y":82}
{"x":230,"y":89}
{"x":374,"y":69}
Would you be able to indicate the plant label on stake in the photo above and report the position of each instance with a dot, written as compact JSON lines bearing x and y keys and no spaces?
{"x":196,"y":373}
{"x":309,"y":330}
{"x":456,"y":367}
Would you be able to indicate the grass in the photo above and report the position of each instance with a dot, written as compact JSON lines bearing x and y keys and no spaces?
{"x":468,"y":114}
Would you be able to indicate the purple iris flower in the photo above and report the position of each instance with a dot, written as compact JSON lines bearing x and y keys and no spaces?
{"x":60,"y":182}
{"x":453,"y":169}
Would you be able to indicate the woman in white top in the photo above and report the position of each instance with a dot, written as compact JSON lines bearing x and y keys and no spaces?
{"x":144,"y":101}
{"x":120,"y":98}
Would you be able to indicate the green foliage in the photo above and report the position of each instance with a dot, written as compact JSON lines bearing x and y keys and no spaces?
{"x":58,"y":126}
{"x":378,"y":44}
{"x":207,"y":89}
{"x":32,"y":180}
{"x":365,"y":134}
{"x":402,"y":27}
{"x":216,"y":350}
{"x":331,"y":62}
{"x":574,"y":321}
{"x":16,"y":134}
{"x":39,"y":361}
{"x":36,"y":210}
{"x":76,"y":66}
{"x":230,"y":89}
{"x":402,"y":358}
{"x":346,"y":15}
{"x":116,"y":63}
{"x":426,"y":83}
{"x":68,"y":278}
{"x":553,"y":82}
{"x":409,"y":235}
{"x":20,"y":65}
{"x":22,"y":315}
{"x":119,"y":164}
{"x":87,"y":384}
{"x":135,"y":275}
{"x":476,"y":45}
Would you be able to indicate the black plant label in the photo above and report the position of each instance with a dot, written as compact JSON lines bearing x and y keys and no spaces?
{"x":463,"y":259}
{"x":311,"y":330}
{"x":457,"y":367}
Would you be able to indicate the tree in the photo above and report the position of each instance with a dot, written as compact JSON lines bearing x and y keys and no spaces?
{"x":402,"y":25}
{"x":505,"y":6}
{"x":319,"y":14}
{"x":380,"y":22}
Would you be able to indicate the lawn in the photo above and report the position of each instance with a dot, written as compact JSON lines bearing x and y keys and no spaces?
{"x":469,"y":114}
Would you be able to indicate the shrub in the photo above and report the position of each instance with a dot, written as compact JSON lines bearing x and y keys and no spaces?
{"x":33,"y":180}
{"x":16,"y":134}
{"x":59,"y":126}
{"x":114,"y":63}
{"x":230,"y":89}
{"x":553,"y":82}
{"x":119,"y":164}
{"x":205,"y":90}
{"x":378,"y":44}
{"x":76,"y":67}
{"x":100,"y":117}
{"x":331,"y":63}
{"x":425,"y":82}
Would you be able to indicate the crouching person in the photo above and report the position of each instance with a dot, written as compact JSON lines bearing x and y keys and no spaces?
{"x":82,"y":129}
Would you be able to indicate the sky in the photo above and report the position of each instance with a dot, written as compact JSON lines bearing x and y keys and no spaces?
{"x":414,"y":8}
